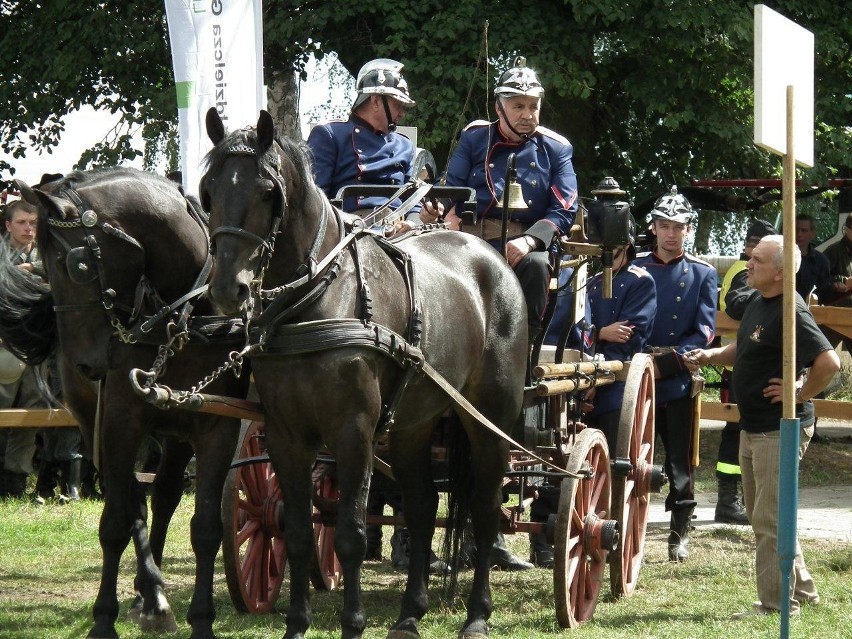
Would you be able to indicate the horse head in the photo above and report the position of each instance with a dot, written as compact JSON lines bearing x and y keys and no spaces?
{"x":102,"y":278}
{"x":251,"y":182}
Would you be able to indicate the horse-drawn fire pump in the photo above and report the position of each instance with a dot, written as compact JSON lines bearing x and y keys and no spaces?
{"x":603,"y":495}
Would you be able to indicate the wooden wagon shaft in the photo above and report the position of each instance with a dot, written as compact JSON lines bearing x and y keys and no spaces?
{"x":552,"y":387}
{"x":568,"y":369}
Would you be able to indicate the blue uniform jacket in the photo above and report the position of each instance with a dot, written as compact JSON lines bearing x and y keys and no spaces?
{"x":634,"y":298}
{"x":352,"y":152}
{"x":544,"y":168}
{"x":686,"y":299}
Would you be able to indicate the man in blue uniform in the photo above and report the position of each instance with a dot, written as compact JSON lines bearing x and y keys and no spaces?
{"x":623,"y":325}
{"x":366,"y":148}
{"x":544,"y":170}
{"x":686,"y":295}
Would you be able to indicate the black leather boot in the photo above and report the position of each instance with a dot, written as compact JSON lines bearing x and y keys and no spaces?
{"x":541,"y":552}
{"x":679,"y":535}
{"x":16,"y":484}
{"x":400,"y":549}
{"x":46,"y":481}
{"x":71,"y":480}
{"x":503,"y":559}
{"x":89,"y":481}
{"x":729,"y":507}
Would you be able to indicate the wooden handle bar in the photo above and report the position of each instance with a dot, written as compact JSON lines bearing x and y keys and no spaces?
{"x":567,"y":369}
{"x":551,"y":387}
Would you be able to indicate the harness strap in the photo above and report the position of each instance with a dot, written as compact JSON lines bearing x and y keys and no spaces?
{"x":460,"y":402}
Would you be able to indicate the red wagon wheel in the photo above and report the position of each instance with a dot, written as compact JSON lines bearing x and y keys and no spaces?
{"x":253,"y":545}
{"x":584,"y":533}
{"x":325,"y":569}
{"x":633,"y":483}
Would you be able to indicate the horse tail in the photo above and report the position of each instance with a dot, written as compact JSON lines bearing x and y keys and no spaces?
{"x":460,"y":488}
{"x":27,"y":318}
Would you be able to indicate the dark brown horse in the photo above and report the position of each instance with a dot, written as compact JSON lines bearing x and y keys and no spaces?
{"x":347,"y":323}
{"x":122,"y":250}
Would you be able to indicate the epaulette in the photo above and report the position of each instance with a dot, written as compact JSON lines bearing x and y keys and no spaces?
{"x":642,"y":254}
{"x":697,"y":260}
{"x":637,"y":270}
{"x":553,"y":135}
{"x":477,"y":123}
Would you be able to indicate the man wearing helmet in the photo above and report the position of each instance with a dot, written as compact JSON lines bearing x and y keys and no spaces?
{"x":686,"y":295}
{"x":544,"y":170}
{"x":366,"y":148}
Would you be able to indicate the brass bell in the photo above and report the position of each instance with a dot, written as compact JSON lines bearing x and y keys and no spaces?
{"x":515,"y":201}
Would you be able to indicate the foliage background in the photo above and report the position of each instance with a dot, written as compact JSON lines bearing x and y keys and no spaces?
{"x":653,"y":92}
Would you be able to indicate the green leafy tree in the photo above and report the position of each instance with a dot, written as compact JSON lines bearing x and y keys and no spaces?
{"x":650,"y":92}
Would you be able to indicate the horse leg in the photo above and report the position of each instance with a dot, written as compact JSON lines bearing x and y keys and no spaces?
{"x":118,"y":519}
{"x":354,"y":452}
{"x":150,"y":608}
{"x":489,"y":465}
{"x":411,"y":460}
{"x":214,"y":450}
{"x":292,"y":463}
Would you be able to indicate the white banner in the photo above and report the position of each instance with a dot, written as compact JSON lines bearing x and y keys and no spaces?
{"x":217,"y":52}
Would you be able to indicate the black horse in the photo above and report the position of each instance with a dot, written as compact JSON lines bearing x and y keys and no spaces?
{"x":122,"y":250}
{"x":347,"y":323}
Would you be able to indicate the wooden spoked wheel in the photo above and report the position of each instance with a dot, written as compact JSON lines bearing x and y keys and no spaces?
{"x":325,"y":569}
{"x":583,"y":533}
{"x":632,"y":483}
{"x":253,"y":545}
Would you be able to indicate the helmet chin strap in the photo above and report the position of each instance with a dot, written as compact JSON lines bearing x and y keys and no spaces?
{"x":523,"y":136}
{"x":391,"y":123}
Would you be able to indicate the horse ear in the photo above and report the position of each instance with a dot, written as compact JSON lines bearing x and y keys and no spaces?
{"x":27,"y":193}
{"x":265,"y":131}
{"x":215,"y":127}
{"x":44,"y":201}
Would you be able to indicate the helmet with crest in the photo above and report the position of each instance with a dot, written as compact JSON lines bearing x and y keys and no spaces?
{"x":673,"y":207}
{"x":519,"y":80}
{"x":381,"y":77}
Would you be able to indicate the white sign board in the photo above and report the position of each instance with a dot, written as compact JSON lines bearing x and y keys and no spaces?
{"x":783,"y":56}
{"x":217,"y":52}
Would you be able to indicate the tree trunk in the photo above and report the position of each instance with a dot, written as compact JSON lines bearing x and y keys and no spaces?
{"x":283,"y":104}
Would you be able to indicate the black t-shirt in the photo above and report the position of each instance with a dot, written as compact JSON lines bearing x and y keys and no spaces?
{"x":760,"y":357}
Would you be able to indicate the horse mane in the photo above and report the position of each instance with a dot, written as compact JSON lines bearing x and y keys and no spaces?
{"x":27,"y":318}
{"x":296,"y":152}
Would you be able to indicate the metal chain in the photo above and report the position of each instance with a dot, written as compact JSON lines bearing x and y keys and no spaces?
{"x":235,"y":362}
{"x":73,"y":224}
{"x":165,"y":351}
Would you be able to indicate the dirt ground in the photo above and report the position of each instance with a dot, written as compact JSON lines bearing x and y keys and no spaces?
{"x":825,"y":512}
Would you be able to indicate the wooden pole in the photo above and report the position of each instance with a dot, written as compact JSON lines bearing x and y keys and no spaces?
{"x":789,"y":296}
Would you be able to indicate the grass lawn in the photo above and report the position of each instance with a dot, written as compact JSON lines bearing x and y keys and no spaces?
{"x":50,"y":558}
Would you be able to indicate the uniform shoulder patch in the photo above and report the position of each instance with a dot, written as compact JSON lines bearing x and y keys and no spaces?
{"x":643,"y":254}
{"x":637,"y":270}
{"x":553,"y":135}
{"x":476,"y":124}
{"x":697,"y":260}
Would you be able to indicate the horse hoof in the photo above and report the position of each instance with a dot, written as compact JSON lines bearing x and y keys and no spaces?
{"x":402,"y":634}
{"x":160,"y":622}
{"x":473,"y":635}
{"x":135,"y":609}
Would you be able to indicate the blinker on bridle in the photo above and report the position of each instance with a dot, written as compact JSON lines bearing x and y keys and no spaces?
{"x":84,"y":264}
